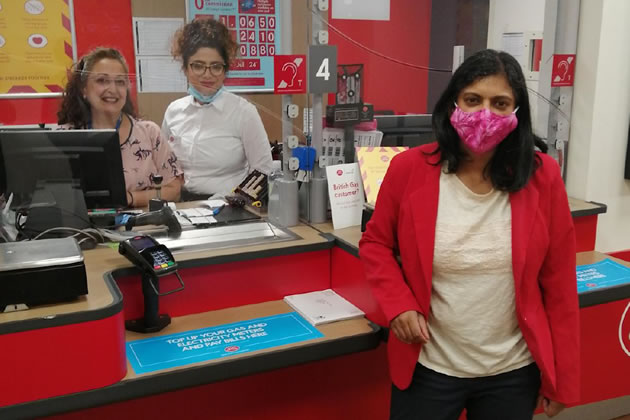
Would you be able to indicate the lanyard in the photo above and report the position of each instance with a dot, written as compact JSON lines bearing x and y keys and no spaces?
{"x":118,"y":123}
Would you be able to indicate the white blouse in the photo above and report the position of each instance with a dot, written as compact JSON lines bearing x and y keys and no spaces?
{"x":473,"y":326}
{"x":217,"y":144}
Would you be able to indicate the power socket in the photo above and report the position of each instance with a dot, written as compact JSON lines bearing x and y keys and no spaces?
{"x":322,"y":37}
{"x":293,"y":110}
{"x":294,"y":164}
{"x":291,"y":141}
{"x":562,"y":100}
{"x":322,"y":5}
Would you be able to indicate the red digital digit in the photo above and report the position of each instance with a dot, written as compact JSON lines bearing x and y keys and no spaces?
{"x":272,"y":50}
{"x":232,"y":21}
{"x":253,"y":50}
{"x":199,"y":4}
{"x":271,"y":36}
{"x":262,"y":22}
{"x":223,"y":19}
{"x":242,"y":36}
{"x":251,"y":36}
{"x":251,"y":22}
{"x":242,"y":21}
{"x":262,"y":35}
{"x":243,"y":50}
{"x":271,"y":22}
{"x":263,"y":50}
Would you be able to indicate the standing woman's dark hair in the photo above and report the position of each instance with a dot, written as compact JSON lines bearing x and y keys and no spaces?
{"x":75,"y":109}
{"x":514,"y":160}
{"x":201,"y":33}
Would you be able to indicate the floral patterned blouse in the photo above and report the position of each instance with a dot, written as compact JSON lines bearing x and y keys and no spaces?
{"x":145,"y":154}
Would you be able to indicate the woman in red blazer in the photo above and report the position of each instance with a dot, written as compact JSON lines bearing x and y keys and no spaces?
{"x":470,"y":253}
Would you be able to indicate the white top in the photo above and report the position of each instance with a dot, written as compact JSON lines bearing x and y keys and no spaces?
{"x":473,"y":325}
{"x":217,"y":144}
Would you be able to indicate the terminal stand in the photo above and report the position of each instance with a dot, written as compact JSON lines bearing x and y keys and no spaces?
{"x":152,"y":321}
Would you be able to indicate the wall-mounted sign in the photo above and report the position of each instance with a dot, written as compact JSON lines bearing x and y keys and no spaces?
{"x":255,"y":25}
{"x":36,"y":47}
{"x":289,"y":74}
{"x":322,"y":68}
{"x":563,"y":70}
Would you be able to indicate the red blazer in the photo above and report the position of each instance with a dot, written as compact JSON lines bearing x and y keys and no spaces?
{"x":543,"y":262}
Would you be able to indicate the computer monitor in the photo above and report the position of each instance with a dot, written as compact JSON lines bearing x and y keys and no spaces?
{"x":88,"y":160}
{"x":405,"y":130}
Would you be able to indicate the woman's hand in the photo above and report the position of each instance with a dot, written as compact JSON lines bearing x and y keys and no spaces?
{"x":410,"y":327}
{"x":550,"y":407}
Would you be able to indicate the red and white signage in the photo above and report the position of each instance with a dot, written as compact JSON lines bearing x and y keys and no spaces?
{"x":289,"y":74}
{"x":563,"y":71}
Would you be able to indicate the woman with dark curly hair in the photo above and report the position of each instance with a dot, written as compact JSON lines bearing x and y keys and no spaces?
{"x":97,"y":96}
{"x":218,"y":136}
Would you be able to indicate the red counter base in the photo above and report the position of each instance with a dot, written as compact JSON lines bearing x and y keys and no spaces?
{"x":48,"y":362}
{"x":348,"y":387}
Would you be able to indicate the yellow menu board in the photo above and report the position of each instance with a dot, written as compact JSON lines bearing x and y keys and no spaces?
{"x":36,"y":46}
{"x":373,"y":163}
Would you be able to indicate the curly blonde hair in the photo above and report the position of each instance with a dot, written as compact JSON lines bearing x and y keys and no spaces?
{"x":201,"y":33}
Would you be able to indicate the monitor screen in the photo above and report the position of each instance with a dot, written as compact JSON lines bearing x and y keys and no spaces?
{"x":87,"y":159}
{"x":405,"y":130}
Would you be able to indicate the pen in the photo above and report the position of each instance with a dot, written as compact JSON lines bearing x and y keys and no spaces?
{"x":217,"y":210}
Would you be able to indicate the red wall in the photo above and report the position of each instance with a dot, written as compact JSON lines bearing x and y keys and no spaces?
{"x":405,"y":37}
{"x":97,"y":23}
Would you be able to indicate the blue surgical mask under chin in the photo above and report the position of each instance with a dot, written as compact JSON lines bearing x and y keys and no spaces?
{"x":204,"y":99}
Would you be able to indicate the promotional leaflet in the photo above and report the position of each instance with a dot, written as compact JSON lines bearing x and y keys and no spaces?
{"x":187,"y":347}
{"x":345,"y":191}
{"x":373,"y":162}
{"x":36,"y":46}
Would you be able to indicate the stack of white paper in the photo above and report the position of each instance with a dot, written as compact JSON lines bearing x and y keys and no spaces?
{"x":323,"y":306}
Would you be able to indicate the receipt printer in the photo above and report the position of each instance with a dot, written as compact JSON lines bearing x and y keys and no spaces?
{"x":42,"y":271}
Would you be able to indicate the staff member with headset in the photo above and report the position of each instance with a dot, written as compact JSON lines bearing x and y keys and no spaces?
{"x":97,"y":96}
{"x":218,"y":137}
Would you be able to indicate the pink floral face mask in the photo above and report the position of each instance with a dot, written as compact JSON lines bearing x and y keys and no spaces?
{"x":482,"y":130}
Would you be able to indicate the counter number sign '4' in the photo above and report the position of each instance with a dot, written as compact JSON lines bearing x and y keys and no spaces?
{"x":322,"y":68}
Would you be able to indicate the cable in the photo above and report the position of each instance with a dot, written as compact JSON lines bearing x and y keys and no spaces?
{"x":376,"y":53}
{"x":66,"y":229}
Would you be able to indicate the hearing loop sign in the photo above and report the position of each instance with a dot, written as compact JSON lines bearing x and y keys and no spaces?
{"x":563,"y":71}
{"x":289,"y":74}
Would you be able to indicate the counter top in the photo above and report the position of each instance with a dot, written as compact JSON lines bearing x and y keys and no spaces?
{"x":339,"y":338}
{"x":104,"y":298}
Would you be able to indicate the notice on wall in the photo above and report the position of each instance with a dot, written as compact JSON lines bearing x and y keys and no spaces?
{"x":255,"y":25}
{"x":168,"y":351}
{"x":345,"y":191}
{"x":605,"y":273}
{"x":36,"y":46}
{"x":159,"y":74}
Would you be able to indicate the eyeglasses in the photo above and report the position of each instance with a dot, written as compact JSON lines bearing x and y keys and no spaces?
{"x":105,"y":82}
{"x":199,"y":69}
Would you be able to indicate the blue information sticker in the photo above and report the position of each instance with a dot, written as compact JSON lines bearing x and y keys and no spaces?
{"x":167,"y":351}
{"x":606,"y":273}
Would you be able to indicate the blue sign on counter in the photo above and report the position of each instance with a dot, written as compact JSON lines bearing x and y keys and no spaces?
{"x":167,"y":351}
{"x":606,"y":273}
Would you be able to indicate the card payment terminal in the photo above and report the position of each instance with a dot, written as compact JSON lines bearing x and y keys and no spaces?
{"x":148,"y":255}
{"x":154,"y":261}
